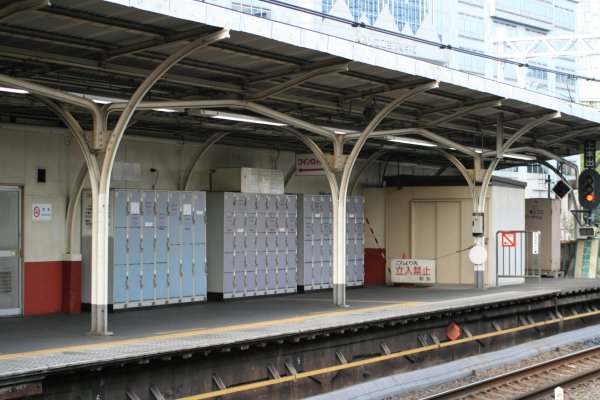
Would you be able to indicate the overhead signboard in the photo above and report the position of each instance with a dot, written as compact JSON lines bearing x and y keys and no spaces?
{"x":589,"y":154}
{"x":413,"y":271}
{"x":308,"y":164}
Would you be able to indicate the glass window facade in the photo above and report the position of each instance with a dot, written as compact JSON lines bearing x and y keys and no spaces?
{"x":534,"y":9}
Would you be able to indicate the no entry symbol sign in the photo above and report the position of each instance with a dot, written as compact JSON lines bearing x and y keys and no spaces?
{"x":509,"y":239}
{"x":36,"y":212}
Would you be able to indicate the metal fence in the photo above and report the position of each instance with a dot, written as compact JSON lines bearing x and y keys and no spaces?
{"x":517,"y":255}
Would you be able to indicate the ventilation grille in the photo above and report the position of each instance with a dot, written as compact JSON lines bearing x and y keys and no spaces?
{"x":6,"y":282}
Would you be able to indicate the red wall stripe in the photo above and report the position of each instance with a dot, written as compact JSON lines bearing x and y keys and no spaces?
{"x":43,"y":287}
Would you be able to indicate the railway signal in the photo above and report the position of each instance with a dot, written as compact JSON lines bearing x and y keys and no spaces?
{"x":589,"y":189}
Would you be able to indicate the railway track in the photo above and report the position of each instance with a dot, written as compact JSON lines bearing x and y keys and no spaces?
{"x":534,"y":382}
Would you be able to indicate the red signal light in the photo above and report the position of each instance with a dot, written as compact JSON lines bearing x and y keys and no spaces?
{"x":589,"y":197}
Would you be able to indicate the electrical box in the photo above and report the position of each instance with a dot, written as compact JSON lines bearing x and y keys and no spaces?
{"x":477,"y":224}
{"x":544,"y":215}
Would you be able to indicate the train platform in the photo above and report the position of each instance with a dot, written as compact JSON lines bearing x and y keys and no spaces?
{"x":41,"y":344}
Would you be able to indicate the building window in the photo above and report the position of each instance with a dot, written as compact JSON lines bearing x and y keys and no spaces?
{"x":255,"y":8}
{"x":536,"y":169}
{"x":535,"y":9}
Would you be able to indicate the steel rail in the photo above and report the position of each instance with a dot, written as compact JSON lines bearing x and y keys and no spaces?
{"x":378,"y":359}
{"x":486,"y":387}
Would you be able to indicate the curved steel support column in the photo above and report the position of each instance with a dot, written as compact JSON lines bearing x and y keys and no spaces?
{"x":362,"y":169}
{"x":73,"y":201}
{"x":90,"y":166}
{"x":197,"y":156}
{"x":100,"y":275}
{"x":464,"y":172}
{"x":55,"y":94}
{"x":339,"y":211}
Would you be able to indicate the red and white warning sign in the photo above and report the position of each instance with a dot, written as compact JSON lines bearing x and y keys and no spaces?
{"x":41,"y":212}
{"x":509,"y":239}
{"x":308,"y":164}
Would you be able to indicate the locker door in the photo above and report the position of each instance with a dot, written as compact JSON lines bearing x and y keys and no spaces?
{"x":134,"y":275}
{"x":199,"y":220}
{"x":250,"y":280}
{"x":120,"y":207}
{"x":308,"y":228}
{"x":326,"y":229}
{"x":134,"y":231}
{"x":120,"y":246}
{"x":261,"y":279}
{"x":271,"y":204}
{"x":187,"y":270}
{"x":228,"y":242}
{"x":174,"y":218}
{"x":308,"y":252}
{"x":316,"y":274}
{"x":229,"y":203}
{"x":307,"y":278}
{"x":250,"y":242}
{"x":261,"y":202}
{"x":200,"y":270}
{"x":239,"y":203}
{"x":251,"y":204}
{"x":250,"y":224}
{"x":148,"y":282}
{"x":161,"y":281}
{"x":326,"y":251}
{"x":271,"y":241}
{"x":291,"y":223}
{"x":239,"y":241}
{"x":175,"y":271}
{"x":239,"y":262}
{"x":187,"y":223}
{"x":148,"y":228}
{"x":250,"y":261}
{"x":261,"y":260}
{"x":291,"y":260}
{"x":271,"y":278}
{"x":162,"y":226}
{"x":282,"y":203}
{"x":120,"y":284}
{"x":261,"y":222}
{"x":292,"y":205}
{"x":326,"y":272}
{"x":291,"y":278}
{"x":350,"y":271}
{"x":290,"y":242}
{"x":228,"y":262}
{"x":281,"y":279}
{"x":239,"y":285}
{"x":228,"y":283}
{"x":261,"y":241}
{"x":281,"y":259}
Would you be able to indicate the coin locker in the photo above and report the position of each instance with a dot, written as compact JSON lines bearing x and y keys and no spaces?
{"x":252,"y":250}
{"x":315,"y":242}
{"x":158,"y":255}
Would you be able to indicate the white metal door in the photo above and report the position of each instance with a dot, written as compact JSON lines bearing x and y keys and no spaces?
{"x":10,"y":251}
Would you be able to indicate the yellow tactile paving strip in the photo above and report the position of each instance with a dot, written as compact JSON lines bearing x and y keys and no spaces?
{"x":203,"y":331}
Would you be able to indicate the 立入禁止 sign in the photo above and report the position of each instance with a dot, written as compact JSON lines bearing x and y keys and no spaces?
{"x":413,"y":271}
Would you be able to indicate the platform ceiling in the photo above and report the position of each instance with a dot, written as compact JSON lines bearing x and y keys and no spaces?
{"x":105,"y":50}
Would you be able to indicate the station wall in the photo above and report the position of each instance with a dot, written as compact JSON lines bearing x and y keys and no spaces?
{"x":47,"y":270}
{"x":434,"y":222}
